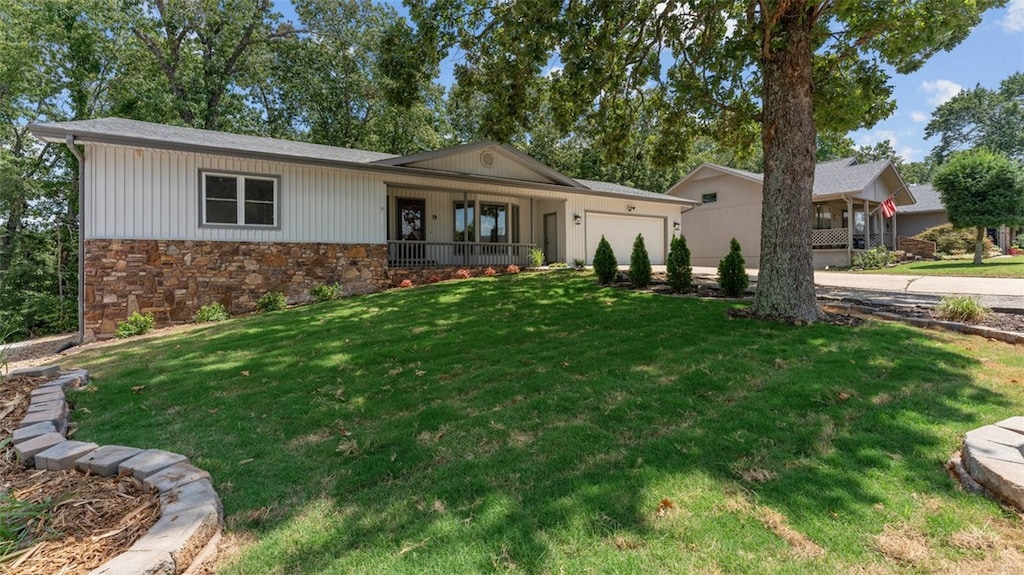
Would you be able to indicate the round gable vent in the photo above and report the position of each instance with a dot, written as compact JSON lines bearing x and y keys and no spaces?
{"x":487,"y":159}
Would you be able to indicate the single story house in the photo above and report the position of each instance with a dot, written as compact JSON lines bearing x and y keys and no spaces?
{"x":927,"y":212}
{"x":846,"y":213}
{"x":175,"y":218}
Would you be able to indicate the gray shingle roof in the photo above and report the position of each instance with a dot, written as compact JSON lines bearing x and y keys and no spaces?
{"x":161,"y":136}
{"x":928,"y":200}
{"x":619,"y":189}
{"x":845,"y":176}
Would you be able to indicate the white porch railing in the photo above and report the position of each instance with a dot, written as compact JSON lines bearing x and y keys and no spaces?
{"x":838,"y":238}
{"x":412,"y":254}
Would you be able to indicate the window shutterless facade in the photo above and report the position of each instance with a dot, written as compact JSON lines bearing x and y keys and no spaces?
{"x":239,"y":199}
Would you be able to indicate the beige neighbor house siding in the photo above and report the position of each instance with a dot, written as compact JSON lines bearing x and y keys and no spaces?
{"x":735,"y":213}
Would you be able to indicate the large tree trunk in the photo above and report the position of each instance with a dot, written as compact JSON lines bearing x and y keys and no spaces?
{"x":785,"y":285}
{"x":979,"y":245}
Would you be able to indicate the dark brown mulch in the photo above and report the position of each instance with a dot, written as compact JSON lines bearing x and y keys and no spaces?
{"x":86,"y":520}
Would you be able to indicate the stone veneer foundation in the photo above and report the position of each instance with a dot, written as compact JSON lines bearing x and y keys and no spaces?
{"x":174,"y":278}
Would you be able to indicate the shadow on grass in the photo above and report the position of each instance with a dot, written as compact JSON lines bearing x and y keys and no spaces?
{"x":526,"y":421}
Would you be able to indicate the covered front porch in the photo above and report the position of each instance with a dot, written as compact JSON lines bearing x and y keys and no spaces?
{"x":430,"y":228}
{"x":845,"y":227}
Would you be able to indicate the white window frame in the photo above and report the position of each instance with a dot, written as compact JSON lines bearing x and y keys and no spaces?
{"x":240,"y":201}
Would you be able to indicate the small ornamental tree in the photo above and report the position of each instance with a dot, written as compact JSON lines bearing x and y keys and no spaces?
{"x":639,"y":264}
{"x":679,"y":273}
{"x":981,"y":189}
{"x":605,"y":264}
{"x":732,"y":273}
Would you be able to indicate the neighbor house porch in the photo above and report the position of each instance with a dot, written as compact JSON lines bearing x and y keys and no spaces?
{"x":844,"y":227}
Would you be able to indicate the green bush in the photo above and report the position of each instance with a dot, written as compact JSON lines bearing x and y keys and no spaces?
{"x":271,"y":301}
{"x":5,"y":336}
{"x":15,"y":521}
{"x":962,"y":308}
{"x":639,"y":264}
{"x":136,"y":324}
{"x":579,"y":264}
{"x":211,"y":312}
{"x":874,"y":259}
{"x":1020,"y":240}
{"x":605,"y":264}
{"x":952,"y":241}
{"x":326,"y":292}
{"x":536,"y":257}
{"x":679,"y":272}
{"x":732,"y":271}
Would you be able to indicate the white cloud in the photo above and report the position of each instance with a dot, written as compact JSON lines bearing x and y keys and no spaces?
{"x":941,"y":91}
{"x":919,"y":117}
{"x":1014,"y":21}
{"x":909,"y":153}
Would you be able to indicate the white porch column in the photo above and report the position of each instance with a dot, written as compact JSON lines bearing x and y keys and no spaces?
{"x":867,"y":226}
{"x":850,"y":218}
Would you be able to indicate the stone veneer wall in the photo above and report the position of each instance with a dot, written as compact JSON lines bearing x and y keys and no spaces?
{"x":174,"y":278}
{"x":916,"y":247}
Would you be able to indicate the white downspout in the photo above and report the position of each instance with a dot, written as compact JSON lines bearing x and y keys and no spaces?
{"x":69,"y":141}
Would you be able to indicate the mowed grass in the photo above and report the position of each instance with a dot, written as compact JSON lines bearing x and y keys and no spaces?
{"x":1000,"y":267}
{"x":542,"y":424}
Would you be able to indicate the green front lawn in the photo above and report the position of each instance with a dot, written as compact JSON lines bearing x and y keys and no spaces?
{"x":542,"y":424}
{"x":1001,"y":267}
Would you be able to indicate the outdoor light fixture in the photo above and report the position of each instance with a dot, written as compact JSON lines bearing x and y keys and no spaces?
{"x":630,"y":207}
{"x":675,"y":226}
{"x":576,"y":218}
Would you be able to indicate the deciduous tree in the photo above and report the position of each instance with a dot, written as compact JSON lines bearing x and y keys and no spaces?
{"x":981,"y":117}
{"x":773,"y":70}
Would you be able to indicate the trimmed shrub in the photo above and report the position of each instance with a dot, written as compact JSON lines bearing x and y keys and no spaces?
{"x":512,"y":269}
{"x":211,"y":312}
{"x":605,"y":264}
{"x":732,"y":271}
{"x":490,"y":272}
{"x":406,"y":283}
{"x":271,"y":301}
{"x":136,"y":324}
{"x":962,"y":308}
{"x":639,"y":264}
{"x":462,"y":274}
{"x":874,"y":259}
{"x":326,"y":292}
{"x":579,"y":264}
{"x":951,"y":241}
{"x":678,"y":271}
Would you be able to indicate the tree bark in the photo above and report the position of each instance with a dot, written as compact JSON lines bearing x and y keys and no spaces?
{"x":979,"y":245}
{"x":785,"y":285}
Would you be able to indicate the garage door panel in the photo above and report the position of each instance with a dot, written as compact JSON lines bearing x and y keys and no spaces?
{"x":621,"y":231}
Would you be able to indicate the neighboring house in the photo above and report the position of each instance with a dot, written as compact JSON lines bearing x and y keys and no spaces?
{"x":175,"y":218}
{"x":846,"y":215}
{"x":928,"y":212}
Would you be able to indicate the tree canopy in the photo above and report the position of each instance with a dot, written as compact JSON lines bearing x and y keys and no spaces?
{"x":981,"y":117}
{"x":777,"y":71}
{"x":981,"y":189}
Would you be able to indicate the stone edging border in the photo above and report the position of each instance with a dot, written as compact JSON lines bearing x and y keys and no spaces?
{"x":991,"y":460}
{"x":989,"y":332}
{"x":191,"y":514}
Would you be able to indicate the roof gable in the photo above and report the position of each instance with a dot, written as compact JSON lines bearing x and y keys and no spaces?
{"x":485,"y":159}
{"x":708,"y":170}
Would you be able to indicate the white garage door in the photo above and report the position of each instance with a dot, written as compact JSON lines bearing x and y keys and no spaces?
{"x":621,"y":232}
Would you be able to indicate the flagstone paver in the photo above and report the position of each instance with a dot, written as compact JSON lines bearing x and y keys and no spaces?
{"x":993,"y":457}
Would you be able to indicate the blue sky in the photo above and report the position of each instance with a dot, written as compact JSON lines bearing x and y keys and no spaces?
{"x":993,"y":51}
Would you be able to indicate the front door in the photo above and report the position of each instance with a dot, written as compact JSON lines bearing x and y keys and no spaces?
{"x":411,"y":223}
{"x":550,"y":238}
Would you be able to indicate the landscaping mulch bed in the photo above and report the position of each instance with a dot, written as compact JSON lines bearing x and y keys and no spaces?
{"x":77,"y":521}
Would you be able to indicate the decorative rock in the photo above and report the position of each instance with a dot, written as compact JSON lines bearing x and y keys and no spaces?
{"x":27,"y":450}
{"x":149,"y":462}
{"x":38,"y":371}
{"x":134,"y":562}
{"x":63,"y":455}
{"x":985,"y":448}
{"x":23,"y":434}
{"x":1003,"y":478}
{"x":174,"y":476}
{"x":105,"y":460}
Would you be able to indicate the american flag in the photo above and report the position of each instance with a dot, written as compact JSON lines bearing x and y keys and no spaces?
{"x":888,"y":207}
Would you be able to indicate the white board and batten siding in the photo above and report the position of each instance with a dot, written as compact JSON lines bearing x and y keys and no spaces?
{"x":137,"y":193}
